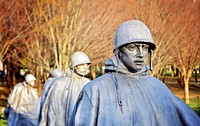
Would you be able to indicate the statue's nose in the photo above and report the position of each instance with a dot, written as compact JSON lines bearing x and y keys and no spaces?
{"x":140,"y":52}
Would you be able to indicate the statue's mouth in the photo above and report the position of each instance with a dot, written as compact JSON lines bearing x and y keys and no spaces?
{"x":139,"y":62}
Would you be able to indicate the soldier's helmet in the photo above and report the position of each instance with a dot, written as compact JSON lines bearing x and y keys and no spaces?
{"x":133,"y":31}
{"x":79,"y":58}
{"x":56,"y":73}
{"x":29,"y":78}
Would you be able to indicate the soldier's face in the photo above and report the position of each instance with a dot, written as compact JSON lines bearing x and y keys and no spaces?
{"x":133,"y":56}
{"x":32,"y":83}
{"x":82,"y":69}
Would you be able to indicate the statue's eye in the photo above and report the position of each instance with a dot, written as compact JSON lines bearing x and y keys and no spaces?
{"x":131,"y":47}
{"x":145,"y":47}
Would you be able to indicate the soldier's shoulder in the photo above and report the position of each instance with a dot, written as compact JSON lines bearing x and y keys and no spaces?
{"x":99,"y":82}
{"x":19,"y":85}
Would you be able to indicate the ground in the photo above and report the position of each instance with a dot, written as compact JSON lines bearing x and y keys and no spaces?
{"x":178,"y":90}
{"x":171,"y":83}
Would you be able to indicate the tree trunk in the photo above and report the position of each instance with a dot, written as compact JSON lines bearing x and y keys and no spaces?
{"x":180,"y":79}
{"x":92,"y":72}
{"x":39,"y":82}
{"x":186,"y":88}
{"x":172,"y":69}
{"x":163,"y":74}
{"x":14,"y":76}
{"x":176,"y":72}
{"x":4,"y":77}
{"x":196,"y":76}
{"x":9,"y":76}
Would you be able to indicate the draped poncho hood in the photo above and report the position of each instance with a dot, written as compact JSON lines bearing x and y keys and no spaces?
{"x":115,"y":65}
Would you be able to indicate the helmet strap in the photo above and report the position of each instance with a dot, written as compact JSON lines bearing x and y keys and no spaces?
{"x":118,"y":53}
{"x":150,"y":60}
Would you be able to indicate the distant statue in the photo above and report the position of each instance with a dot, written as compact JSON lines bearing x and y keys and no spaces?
{"x":66,"y":90}
{"x":23,"y":103}
{"x":126,"y":95}
{"x":46,"y":91}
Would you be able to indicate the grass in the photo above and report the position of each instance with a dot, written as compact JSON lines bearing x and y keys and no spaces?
{"x":3,"y":121}
{"x":195,"y":105}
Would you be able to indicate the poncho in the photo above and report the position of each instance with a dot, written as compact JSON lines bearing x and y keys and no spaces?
{"x":121,"y":98}
{"x":48,"y":86}
{"x":24,"y":106}
{"x":63,"y":98}
{"x":46,"y":91}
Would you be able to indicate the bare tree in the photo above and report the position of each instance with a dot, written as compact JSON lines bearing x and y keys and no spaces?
{"x":6,"y":23}
{"x":172,"y":24}
{"x":12,"y":27}
{"x":78,"y":25}
{"x":188,"y":45}
{"x":156,"y":14}
{"x":51,"y":31}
